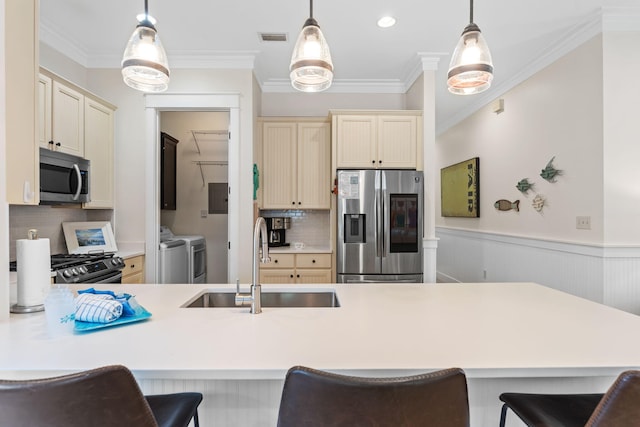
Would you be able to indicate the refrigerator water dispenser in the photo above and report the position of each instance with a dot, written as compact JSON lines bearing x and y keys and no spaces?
{"x":354,"y":228}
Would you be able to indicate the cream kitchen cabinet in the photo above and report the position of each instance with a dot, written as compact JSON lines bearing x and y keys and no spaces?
{"x":20,"y":27}
{"x":74,"y":121}
{"x":296,"y":165}
{"x":98,"y":148}
{"x":67,"y":119}
{"x":390,"y":140}
{"x":297,"y":268}
{"x":133,"y":271}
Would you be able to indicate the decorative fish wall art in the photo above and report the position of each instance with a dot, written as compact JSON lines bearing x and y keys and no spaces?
{"x":549,"y":172}
{"x":524,"y":185}
{"x":506,"y":205}
{"x":538,"y":203}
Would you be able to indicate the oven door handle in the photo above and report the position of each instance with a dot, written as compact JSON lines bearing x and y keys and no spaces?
{"x":79,"y":176}
{"x":116,"y":277}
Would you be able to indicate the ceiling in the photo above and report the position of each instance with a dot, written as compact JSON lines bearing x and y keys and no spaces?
{"x":523,"y":37}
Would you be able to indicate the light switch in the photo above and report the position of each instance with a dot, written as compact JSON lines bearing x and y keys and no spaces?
{"x":203,"y":213}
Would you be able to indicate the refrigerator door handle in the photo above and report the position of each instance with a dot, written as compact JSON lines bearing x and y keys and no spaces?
{"x":379,"y":223}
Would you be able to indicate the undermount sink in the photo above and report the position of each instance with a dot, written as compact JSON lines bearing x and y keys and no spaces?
{"x":222,"y":299}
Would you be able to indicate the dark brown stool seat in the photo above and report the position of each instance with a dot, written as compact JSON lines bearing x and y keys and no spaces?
{"x":619,"y":407}
{"x":104,"y":397}
{"x":313,"y":398}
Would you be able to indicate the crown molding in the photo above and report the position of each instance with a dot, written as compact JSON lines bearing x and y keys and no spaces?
{"x":424,"y":61}
{"x":63,"y":45}
{"x":340,"y":86}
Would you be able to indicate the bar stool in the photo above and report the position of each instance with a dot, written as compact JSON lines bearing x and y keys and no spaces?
{"x":104,"y":397}
{"x":619,"y":407}
{"x":315,"y":398}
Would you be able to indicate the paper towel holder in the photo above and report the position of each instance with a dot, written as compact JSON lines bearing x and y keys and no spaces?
{"x":32,"y":234}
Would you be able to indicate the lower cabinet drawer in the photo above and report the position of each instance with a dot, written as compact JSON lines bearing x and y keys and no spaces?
{"x":133,"y":271}
{"x":313,"y":260}
{"x":279,"y":261}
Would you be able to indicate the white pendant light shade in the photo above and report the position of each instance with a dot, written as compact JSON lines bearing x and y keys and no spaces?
{"x":144,"y":63}
{"x":311,"y":67}
{"x":471,"y":68}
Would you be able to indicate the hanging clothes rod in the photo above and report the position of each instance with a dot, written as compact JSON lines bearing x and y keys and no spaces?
{"x":195,"y":134}
{"x":201,"y":163}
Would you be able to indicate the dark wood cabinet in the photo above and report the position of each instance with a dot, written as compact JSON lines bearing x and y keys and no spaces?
{"x":168,"y":156}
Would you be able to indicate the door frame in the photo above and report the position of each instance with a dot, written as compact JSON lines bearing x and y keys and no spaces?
{"x":154,"y":105}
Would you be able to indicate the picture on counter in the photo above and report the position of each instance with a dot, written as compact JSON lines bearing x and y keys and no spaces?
{"x":88,"y":237}
{"x":460,"y":189}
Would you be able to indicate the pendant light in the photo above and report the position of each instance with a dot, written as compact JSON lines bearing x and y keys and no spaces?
{"x":311,"y":67}
{"x":144,"y":63}
{"x":471,"y":69}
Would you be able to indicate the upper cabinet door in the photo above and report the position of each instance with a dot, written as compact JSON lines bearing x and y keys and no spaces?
{"x":98,"y":148}
{"x":44,"y":110}
{"x":356,"y":142}
{"x":397,"y":142}
{"x":314,"y":166}
{"x":68,"y":120}
{"x":278,"y":173}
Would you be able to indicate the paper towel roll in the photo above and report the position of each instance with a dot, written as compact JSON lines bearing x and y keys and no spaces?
{"x":33,"y":262}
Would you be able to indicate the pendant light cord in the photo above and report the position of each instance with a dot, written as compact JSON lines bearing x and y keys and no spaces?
{"x":146,"y":9}
{"x":470,"y":12}
{"x":311,"y":9}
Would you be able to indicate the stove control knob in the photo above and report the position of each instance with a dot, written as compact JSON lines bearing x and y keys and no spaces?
{"x":67,"y":273}
{"x":114,"y":261}
{"x":82,"y":269}
{"x":74,"y":271}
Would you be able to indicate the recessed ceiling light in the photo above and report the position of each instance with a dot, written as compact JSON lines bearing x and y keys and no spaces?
{"x":386,"y":22}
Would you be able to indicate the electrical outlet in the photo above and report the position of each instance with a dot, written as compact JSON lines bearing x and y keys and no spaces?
{"x":204,"y":213}
{"x":484,"y":274}
{"x":583,"y":222}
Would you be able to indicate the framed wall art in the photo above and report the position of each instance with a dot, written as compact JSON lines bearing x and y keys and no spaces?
{"x":460,"y":189}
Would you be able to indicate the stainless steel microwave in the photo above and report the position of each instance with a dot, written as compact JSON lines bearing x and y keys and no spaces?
{"x":64,"y":178}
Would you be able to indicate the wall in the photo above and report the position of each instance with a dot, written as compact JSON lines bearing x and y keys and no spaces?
{"x":557,"y":113}
{"x":4,"y":208}
{"x":585,"y":119}
{"x":319,"y":104}
{"x":192,"y":192}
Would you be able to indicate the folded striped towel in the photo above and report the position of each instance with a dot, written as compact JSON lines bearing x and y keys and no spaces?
{"x":99,"y":308}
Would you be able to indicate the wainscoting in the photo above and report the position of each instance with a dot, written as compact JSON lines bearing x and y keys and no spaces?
{"x":605,"y":274}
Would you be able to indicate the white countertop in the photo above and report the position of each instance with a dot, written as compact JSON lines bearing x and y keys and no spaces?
{"x":489,"y":330}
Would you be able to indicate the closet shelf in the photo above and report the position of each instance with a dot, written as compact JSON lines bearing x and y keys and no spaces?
{"x":195,"y":134}
{"x":201,"y":163}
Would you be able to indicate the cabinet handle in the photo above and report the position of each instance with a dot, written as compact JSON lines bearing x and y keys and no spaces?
{"x":275,"y":260}
{"x":373,"y":162}
{"x":299,"y":203}
{"x":133,"y":266}
{"x":313,"y":261}
{"x":298,"y":275}
{"x":293,"y":203}
{"x":379,"y":161}
{"x":58,"y":144}
{"x":291,"y":276}
{"x":50,"y":142}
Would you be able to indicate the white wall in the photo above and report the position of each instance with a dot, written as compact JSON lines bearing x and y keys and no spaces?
{"x":319,"y":104}
{"x":581,"y":110}
{"x":556,"y":113}
{"x":191,"y":192}
{"x":4,"y":207}
{"x":622,"y":138}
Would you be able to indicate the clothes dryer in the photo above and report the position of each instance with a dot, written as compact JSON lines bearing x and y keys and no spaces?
{"x":196,"y":248}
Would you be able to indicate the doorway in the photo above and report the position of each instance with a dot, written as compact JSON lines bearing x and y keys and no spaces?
{"x":240,"y":161}
{"x":202,"y":155}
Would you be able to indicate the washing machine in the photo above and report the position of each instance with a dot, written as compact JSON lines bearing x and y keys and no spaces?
{"x":172,"y":260}
{"x":196,"y":250}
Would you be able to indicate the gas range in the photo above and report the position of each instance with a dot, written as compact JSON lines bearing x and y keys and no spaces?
{"x":87,"y":268}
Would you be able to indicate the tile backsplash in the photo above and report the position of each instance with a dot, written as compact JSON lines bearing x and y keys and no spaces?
{"x":48,"y":221}
{"x":309,"y":227}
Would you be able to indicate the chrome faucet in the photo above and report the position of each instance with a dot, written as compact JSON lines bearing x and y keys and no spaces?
{"x":259,"y":232}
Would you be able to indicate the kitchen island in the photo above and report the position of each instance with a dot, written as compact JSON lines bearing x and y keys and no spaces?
{"x":506,"y":336}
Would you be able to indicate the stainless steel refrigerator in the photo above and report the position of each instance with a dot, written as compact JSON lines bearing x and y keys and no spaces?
{"x":379,"y":226}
